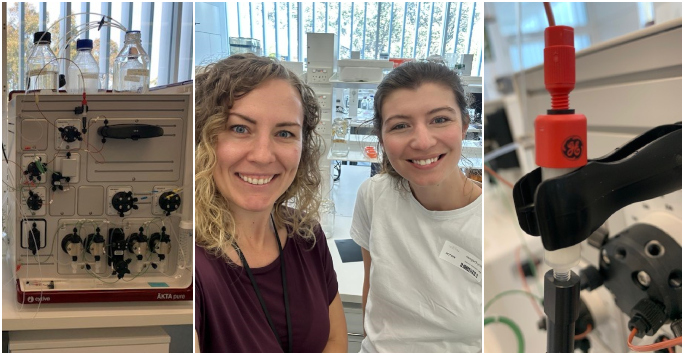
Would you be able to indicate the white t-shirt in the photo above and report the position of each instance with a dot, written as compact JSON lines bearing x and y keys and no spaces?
{"x":426,"y":272}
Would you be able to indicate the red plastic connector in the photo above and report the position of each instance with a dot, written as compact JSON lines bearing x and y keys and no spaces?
{"x":559,"y":65}
{"x":560,"y":141}
{"x":561,"y":135}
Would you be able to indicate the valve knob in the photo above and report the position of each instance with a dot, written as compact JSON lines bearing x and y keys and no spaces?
{"x":34,"y":202}
{"x":34,"y":171}
{"x":169,"y":201}
{"x":124,"y":202}
{"x":70,"y":134}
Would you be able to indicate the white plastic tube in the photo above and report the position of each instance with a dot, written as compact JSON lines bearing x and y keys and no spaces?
{"x":564,"y":259}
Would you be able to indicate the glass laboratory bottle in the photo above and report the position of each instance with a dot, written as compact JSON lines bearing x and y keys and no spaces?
{"x":132,"y":66}
{"x":371,"y":107}
{"x":42,"y":66}
{"x":327,"y":213}
{"x":83,"y":70}
{"x":340,"y":131}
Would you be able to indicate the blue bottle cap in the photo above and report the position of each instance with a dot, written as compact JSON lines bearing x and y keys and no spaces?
{"x":84,"y":44}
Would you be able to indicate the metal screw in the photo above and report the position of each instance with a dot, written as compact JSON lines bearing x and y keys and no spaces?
{"x":674,"y":282}
{"x":643,"y":278}
{"x":604,"y":255}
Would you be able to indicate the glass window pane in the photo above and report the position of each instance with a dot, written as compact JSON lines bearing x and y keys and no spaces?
{"x":95,"y":7}
{"x":269,"y":46}
{"x":156,"y":42}
{"x":345,"y":30}
{"x":397,"y":29}
{"x":137,"y":16}
{"x":30,"y":21}
{"x":370,"y":17}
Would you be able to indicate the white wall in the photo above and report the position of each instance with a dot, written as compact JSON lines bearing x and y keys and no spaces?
{"x":605,"y":21}
{"x":610,"y":20}
{"x":665,"y":11}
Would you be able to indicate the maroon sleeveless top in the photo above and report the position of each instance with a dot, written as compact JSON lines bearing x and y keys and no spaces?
{"x":228,"y":315}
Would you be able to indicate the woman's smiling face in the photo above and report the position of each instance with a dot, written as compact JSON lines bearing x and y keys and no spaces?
{"x":422,"y":131}
{"x":258,"y":154}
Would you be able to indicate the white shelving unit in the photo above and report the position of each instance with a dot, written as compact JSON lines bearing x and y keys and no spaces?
{"x":472,"y":149}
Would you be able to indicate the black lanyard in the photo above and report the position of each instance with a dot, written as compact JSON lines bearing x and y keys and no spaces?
{"x":261,"y":300}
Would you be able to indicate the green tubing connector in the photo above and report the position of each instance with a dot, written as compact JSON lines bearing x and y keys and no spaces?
{"x":514,"y":327}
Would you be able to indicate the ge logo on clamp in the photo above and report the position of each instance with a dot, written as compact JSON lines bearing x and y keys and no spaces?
{"x":572,"y":147}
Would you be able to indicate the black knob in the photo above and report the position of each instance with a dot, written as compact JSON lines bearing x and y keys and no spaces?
{"x":72,"y":238}
{"x":34,"y":239}
{"x":121,"y":268}
{"x":34,"y":202}
{"x":169,"y":201}
{"x":70,"y":134}
{"x":33,"y":170}
{"x":124,"y":202}
{"x":139,"y":238}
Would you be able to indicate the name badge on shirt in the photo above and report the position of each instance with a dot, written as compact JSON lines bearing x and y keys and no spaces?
{"x":464,"y":260}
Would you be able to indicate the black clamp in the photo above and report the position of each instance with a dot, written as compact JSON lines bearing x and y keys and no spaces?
{"x":567,"y":209}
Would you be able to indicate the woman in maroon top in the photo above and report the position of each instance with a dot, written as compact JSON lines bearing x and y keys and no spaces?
{"x":264,"y":278}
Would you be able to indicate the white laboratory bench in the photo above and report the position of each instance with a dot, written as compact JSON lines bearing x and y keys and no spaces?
{"x":349,"y":275}
{"x":90,"y":315}
{"x":32,"y":326}
{"x":472,"y":151}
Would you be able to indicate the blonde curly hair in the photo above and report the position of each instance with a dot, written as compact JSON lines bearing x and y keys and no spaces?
{"x":217,"y":87}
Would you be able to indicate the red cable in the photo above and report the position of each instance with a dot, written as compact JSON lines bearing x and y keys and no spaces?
{"x":497,"y":176}
{"x":584,"y":334}
{"x":652,"y":347}
{"x":549,"y":14}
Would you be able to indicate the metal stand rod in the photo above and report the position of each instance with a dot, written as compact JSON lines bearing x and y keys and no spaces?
{"x":561,"y":305}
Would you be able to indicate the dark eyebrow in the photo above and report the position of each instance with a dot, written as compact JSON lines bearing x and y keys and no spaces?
{"x":447,"y":108}
{"x":254,"y":122}
{"x":434,"y":110}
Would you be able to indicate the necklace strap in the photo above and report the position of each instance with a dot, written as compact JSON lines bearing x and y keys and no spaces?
{"x":283,"y":276}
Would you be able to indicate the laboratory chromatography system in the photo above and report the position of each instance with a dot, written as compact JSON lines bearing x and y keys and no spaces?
{"x":94,"y":207}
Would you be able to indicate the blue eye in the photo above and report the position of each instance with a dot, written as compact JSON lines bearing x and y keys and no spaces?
{"x":441,"y":119}
{"x":285,"y":134}
{"x":239,"y":129}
